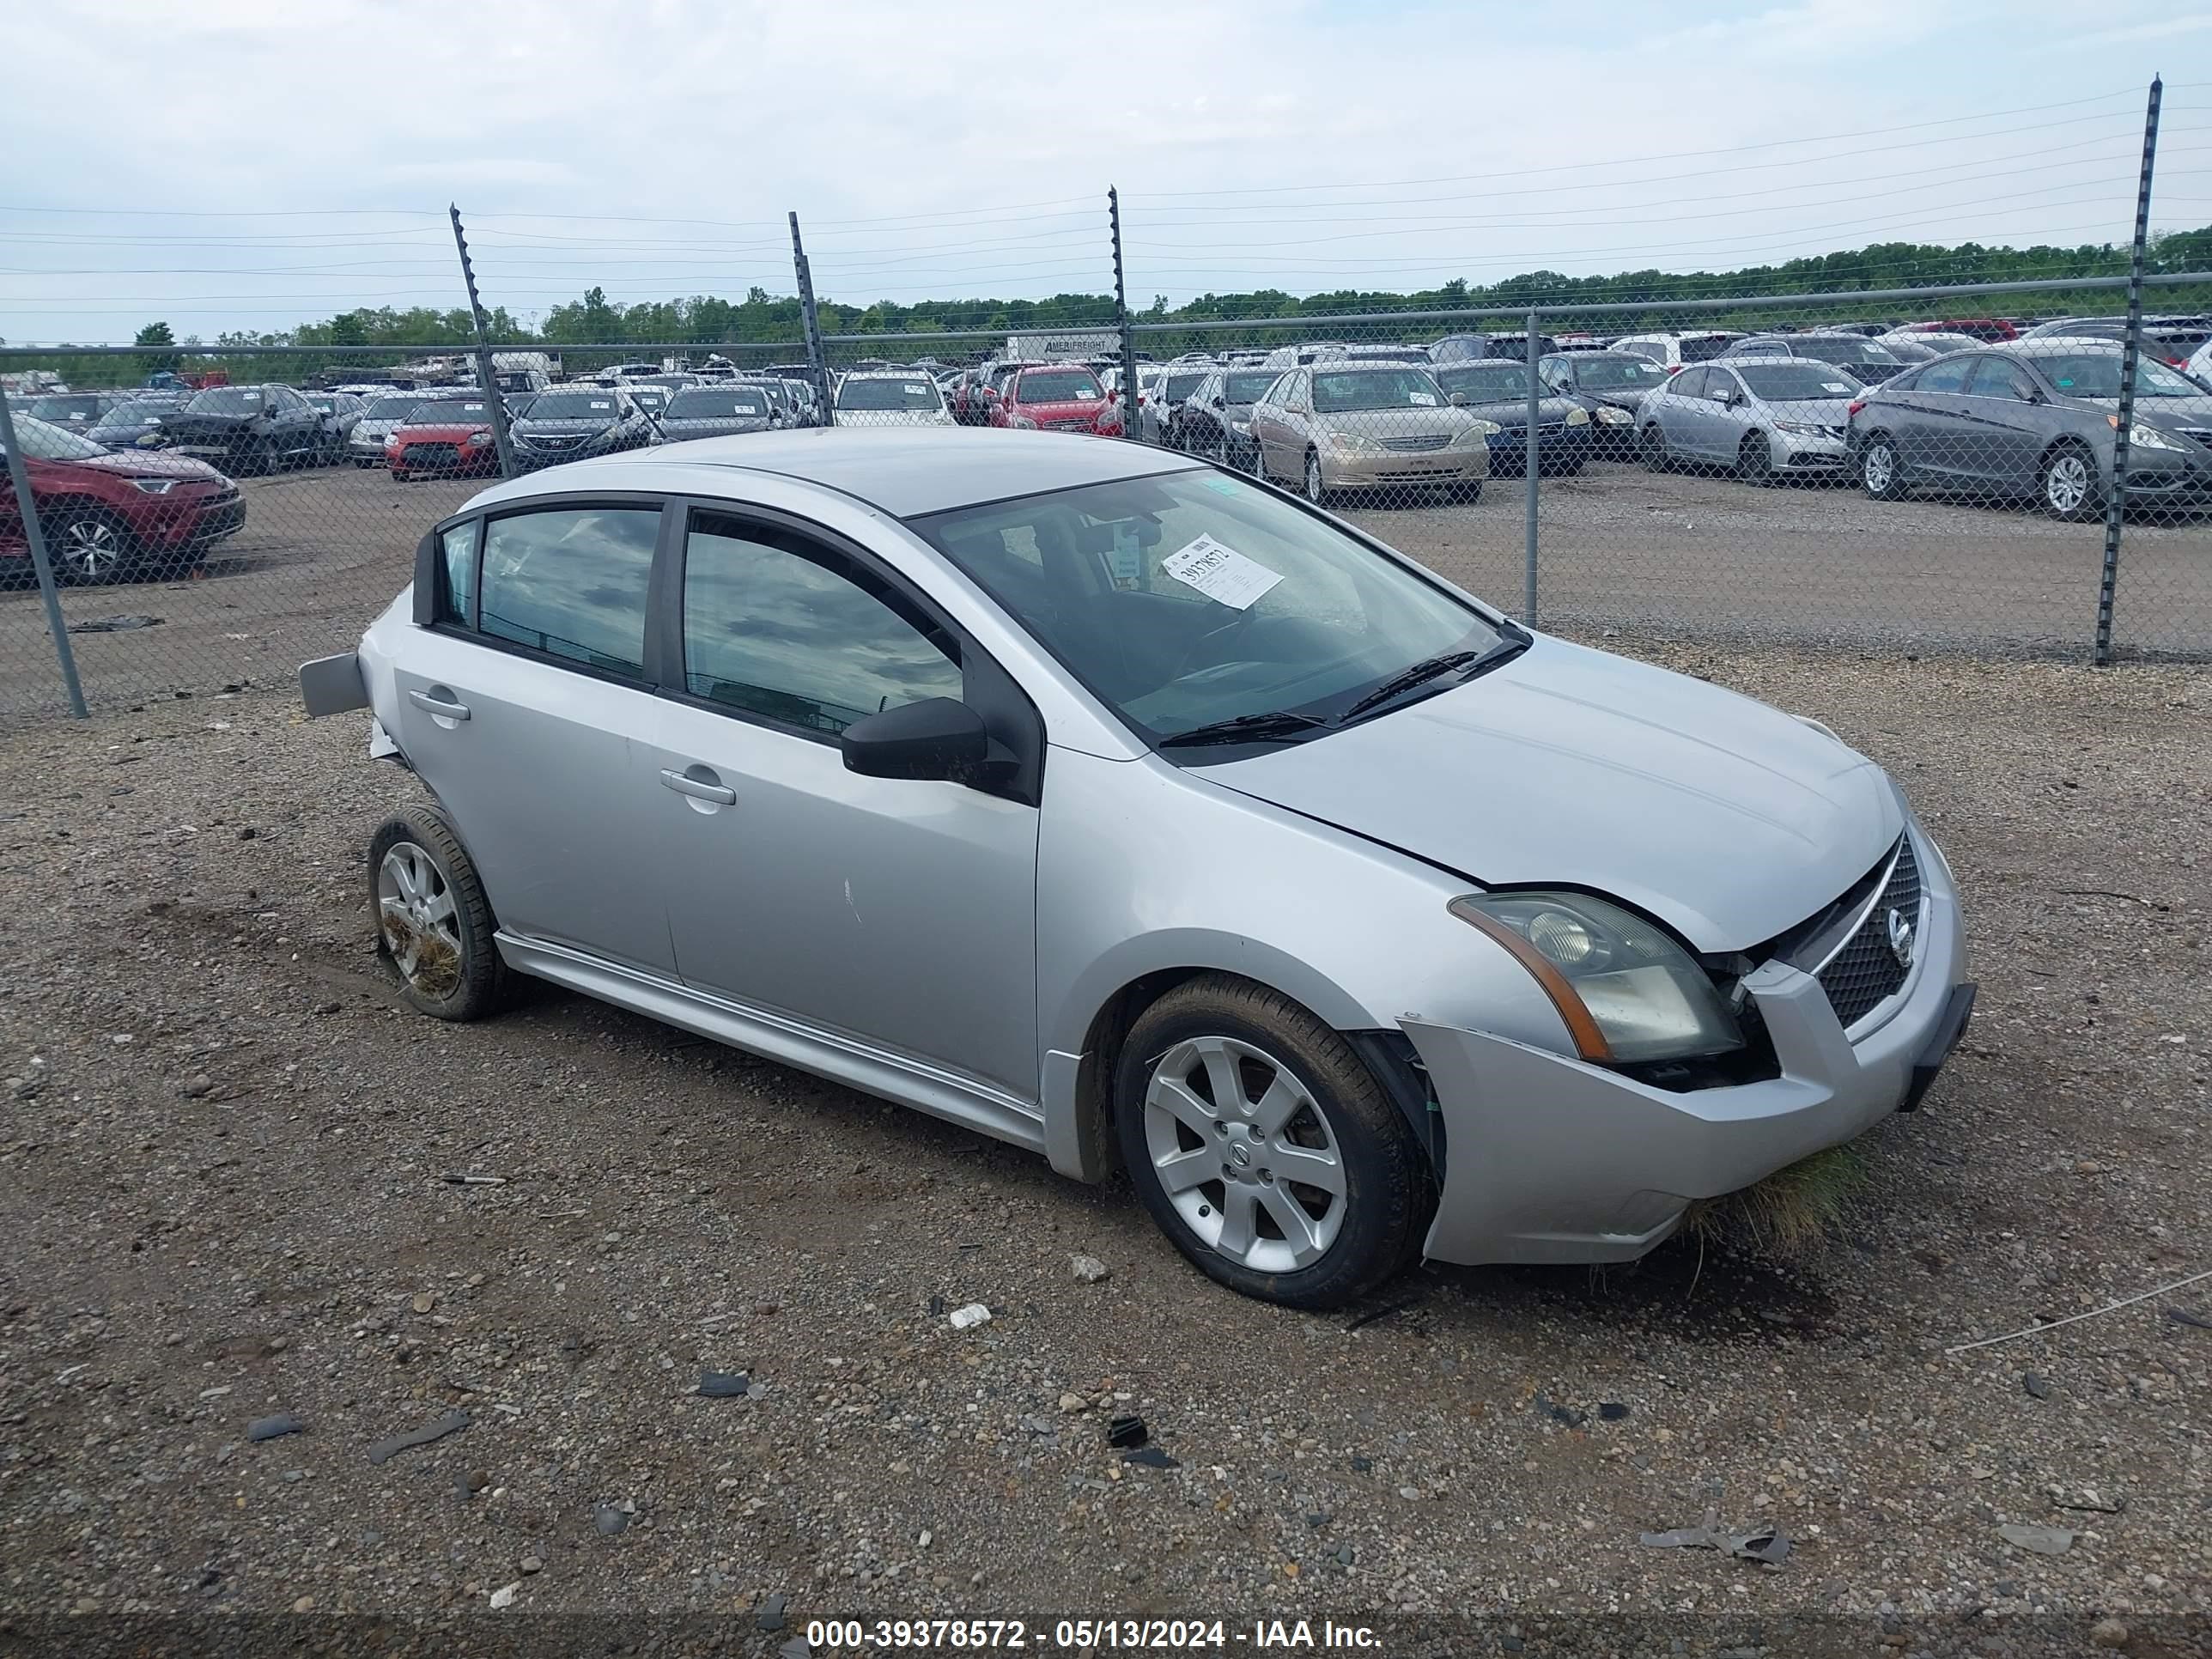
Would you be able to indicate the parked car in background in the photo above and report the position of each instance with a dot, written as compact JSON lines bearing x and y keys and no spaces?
{"x":649,"y":395}
{"x":574,"y":422}
{"x":1672,"y":351}
{"x":1464,"y":348}
{"x":897,"y":397}
{"x":249,"y":429}
{"x":2199,"y":366}
{"x":108,"y":516}
{"x":1331,"y":427}
{"x":1612,"y":385}
{"x":132,"y":425}
{"x":365,"y":444}
{"x":446,"y":437}
{"x":1976,"y":329}
{"x":1498,"y":392}
{"x":1307,"y":351}
{"x":74,"y":411}
{"x":1923,"y":347}
{"x":2036,"y":420}
{"x":1767,"y":419}
{"x":1163,"y":410}
{"x":1867,"y":362}
{"x":1054,"y":398}
{"x":723,"y":410}
{"x":2169,"y":340}
{"x":1216,"y":420}
{"x":341,"y":412}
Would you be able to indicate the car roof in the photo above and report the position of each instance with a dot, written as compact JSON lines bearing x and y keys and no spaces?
{"x":904,"y":472}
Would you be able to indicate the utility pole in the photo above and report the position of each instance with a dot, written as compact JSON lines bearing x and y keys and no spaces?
{"x":1131,"y":428}
{"x":817,"y":356}
{"x":27,"y":509}
{"x":487,"y":381}
{"x":2116,"y":495}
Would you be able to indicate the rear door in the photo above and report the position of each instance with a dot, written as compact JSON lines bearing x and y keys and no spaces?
{"x":1682,"y":410}
{"x":526,"y":708}
{"x":1933,"y":422}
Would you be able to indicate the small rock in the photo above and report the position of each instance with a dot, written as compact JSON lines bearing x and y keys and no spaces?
{"x":425,"y":1300}
{"x":326,"y":1007}
{"x":505,"y":1594}
{"x":795,"y":1649}
{"x":1346,"y":1555}
{"x":967,"y":1317}
{"x":1409,"y":1492}
{"x":1318,"y":1519}
{"x":248,"y":833}
{"x":725,"y":1385}
{"x":194,"y":1087}
{"x":1036,"y":1425}
{"x":2038,"y":1388}
{"x":1074,"y":1402}
{"x":609,"y":1519}
{"x":2089,"y":1498}
{"x":269,"y":1428}
{"x":2108,"y":1633}
{"x":452,"y":1423}
{"x":2042,"y":1540}
{"x":1362,"y":1465}
{"x":532,"y":1564}
{"x":1088,"y":1268}
{"x":305,"y":1604}
{"x":1612,"y":1411}
{"x":770,"y":1614}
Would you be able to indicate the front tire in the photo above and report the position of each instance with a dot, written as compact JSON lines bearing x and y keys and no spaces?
{"x":1316,"y":487}
{"x":2066,"y":485}
{"x":1754,"y":460}
{"x":1265,"y":1149}
{"x":91,"y":546}
{"x":434,"y":923}
{"x":1653,"y":445}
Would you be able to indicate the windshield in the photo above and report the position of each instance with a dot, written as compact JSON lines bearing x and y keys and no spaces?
{"x":1599,"y":370}
{"x":75,"y":406}
{"x":1841,"y":349}
{"x":1058,"y":386}
{"x":1795,"y":382}
{"x":226,"y":400}
{"x":718,"y":405}
{"x":1248,"y":388}
{"x":1486,"y":383}
{"x":323,"y":400}
{"x":136,"y":413}
{"x":576,"y":406}
{"x":890,"y":393}
{"x":1339,"y":391}
{"x":2097,"y":374}
{"x":43,"y":441}
{"x":1180,"y":386}
{"x":455,"y":413}
{"x":1187,"y":598}
{"x":393,"y":409}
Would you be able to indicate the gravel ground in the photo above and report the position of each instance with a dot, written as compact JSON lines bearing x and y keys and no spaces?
{"x":233,"y":1176}
{"x":1690,"y":557}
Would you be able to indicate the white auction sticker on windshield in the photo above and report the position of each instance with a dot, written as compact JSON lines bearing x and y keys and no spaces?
{"x":1832,"y":385}
{"x":1222,"y":574}
{"x":912,"y":391}
{"x":1423,"y":400}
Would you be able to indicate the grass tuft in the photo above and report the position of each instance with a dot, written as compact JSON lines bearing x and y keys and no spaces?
{"x":1791,"y":1212}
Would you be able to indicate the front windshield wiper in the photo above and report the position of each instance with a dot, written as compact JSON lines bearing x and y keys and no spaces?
{"x":1279,"y":725}
{"x":1433,"y":668}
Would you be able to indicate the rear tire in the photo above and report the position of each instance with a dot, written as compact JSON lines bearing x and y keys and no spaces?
{"x":1881,"y":469}
{"x":1325,"y":1196}
{"x":433,"y":924}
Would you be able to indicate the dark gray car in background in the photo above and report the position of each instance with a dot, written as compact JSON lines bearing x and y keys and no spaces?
{"x":2035,"y":419}
{"x":721,"y":411}
{"x":1497,"y":391}
{"x":1868,"y":362}
{"x":572,"y":423}
{"x":1611,"y":385}
{"x":1216,"y":420}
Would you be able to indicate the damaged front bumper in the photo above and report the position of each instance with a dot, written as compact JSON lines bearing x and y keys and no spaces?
{"x":1550,"y":1159}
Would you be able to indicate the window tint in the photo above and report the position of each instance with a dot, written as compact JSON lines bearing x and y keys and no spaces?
{"x":783,"y":629}
{"x":571,"y":582}
{"x":1946,"y":375}
{"x":1994,"y":377}
{"x":458,"y":548}
{"x":1690,"y":383}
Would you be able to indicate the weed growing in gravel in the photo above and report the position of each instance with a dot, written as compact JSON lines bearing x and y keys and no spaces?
{"x":1790,"y":1213}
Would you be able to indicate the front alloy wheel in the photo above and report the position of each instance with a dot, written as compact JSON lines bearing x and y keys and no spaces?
{"x":1316,"y":487}
{"x":91,"y":547}
{"x":2069,"y":485}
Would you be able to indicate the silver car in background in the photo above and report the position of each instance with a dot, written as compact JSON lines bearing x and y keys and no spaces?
{"x":890,"y":397}
{"x":1336,"y":426}
{"x":1144,"y":816}
{"x":1765,"y":419}
{"x":380,"y":417}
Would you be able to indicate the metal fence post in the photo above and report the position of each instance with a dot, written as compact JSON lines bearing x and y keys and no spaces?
{"x":817,"y":359}
{"x":1131,"y":427}
{"x":26,"y":508}
{"x":1529,"y":445}
{"x":487,"y":378}
{"x":2115,"y":496}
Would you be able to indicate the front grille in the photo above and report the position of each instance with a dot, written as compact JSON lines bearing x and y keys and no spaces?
{"x":1866,"y":972}
{"x":2201,"y":434}
{"x":552,"y":443}
{"x":1436,"y":442}
{"x":433,"y":455}
{"x":1078,"y":424}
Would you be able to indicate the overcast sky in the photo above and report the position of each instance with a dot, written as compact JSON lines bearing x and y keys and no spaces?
{"x":236,"y":164}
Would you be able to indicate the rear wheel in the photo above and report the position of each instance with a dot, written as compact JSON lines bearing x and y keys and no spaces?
{"x":1882,"y":472}
{"x":1754,"y":460}
{"x":433,"y":924}
{"x":2067,"y":485}
{"x":89,"y":546}
{"x":1265,"y":1149}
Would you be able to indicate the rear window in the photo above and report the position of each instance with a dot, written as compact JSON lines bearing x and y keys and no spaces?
{"x":1701,"y":348}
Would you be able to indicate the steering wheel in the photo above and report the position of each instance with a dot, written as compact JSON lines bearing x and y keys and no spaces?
{"x":1235,"y":625}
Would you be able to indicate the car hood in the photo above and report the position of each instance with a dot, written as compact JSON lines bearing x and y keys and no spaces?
{"x":1727,"y":820}
{"x":148,"y":463}
{"x":2165,"y":413}
{"x":1088,"y":408}
{"x":561,"y":428}
{"x":207,"y":425}
{"x":1813,"y":412}
{"x":704,"y":425}
{"x":1512,"y":413}
{"x":444,"y":432}
{"x":1620,"y":396}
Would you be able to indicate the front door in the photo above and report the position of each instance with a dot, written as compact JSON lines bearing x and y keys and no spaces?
{"x":2010,"y":426}
{"x":898,"y":913}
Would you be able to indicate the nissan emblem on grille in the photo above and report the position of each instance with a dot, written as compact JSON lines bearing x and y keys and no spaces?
{"x":1900,"y":937}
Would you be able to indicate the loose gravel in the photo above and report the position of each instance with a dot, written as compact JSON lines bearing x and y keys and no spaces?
{"x":241,"y":1183}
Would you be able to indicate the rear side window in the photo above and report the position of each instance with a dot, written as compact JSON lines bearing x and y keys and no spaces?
{"x":782,"y":628}
{"x":571,"y":582}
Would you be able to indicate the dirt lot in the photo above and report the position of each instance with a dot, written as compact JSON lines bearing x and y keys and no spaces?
{"x":1650,"y":555}
{"x":230,"y":1170}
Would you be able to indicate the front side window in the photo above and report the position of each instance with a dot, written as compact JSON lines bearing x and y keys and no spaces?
{"x":457,"y":549}
{"x":1286,"y":611}
{"x":571,"y":582}
{"x":1691,"y":382}
{"x":782,"y":628}
{"x":1996,"y":377}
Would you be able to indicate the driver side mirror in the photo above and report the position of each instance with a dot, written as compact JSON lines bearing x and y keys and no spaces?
{"x":938,"y":737}
{"x":1723,"y":395}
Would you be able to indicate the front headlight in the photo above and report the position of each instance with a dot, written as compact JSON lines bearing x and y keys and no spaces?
{"x":1355,"y":442}
{"x":1609,"y":416}
{"x":2146,"y":437}
{"x":1476,"y":432}
{"x":477,"y":440}
{"x":1626,"y":991}
{"x":154,"y":486}
{"x":1578,"y":415}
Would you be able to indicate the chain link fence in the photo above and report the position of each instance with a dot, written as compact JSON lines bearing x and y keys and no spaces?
{"x":1956,"y":468}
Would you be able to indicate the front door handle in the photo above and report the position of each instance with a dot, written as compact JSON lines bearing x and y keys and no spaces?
{"x":444,"y":707}
{"x":699,"y":788}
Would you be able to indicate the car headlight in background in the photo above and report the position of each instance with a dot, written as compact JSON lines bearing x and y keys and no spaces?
{"x":1357,"y":443}
{"x":1578,"y":415}
{"x":154,"y":486}
{"x":2145,"y":437}
{"x":1477,"y":432}
{"x":1608,"y":416}
{"x":477,"y":440}
{"x":1626,"y":991}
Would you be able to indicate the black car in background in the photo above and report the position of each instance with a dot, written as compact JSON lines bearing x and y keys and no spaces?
{"x":127,"y":425}
{"x":571,"y":422}
{"x":1498,"y":392}
{"x":1466,"y":348}
{"x":1611,"y":386}
{"x":250,"y":429}
{"x":2035,"y":419}
{"x":1216,"y":420}
{"x":343,"y":412}
{"x":721,"y":411}
{"x":1868,"y":362}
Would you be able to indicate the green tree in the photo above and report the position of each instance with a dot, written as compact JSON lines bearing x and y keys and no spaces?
{"x":155,"y":335}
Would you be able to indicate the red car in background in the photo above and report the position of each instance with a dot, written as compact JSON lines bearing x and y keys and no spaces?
{"x":106,"y":516}
{"x":1056,"y":398}
{"x":447,"y":439}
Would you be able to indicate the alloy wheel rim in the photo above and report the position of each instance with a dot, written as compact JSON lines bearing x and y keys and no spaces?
{"x":2067,"y":482}
{"x":1244,"y":1154}
{"x":91,"y":548}
{"x":1879,"y":467}
{"x":420,"y":922}
{"x":1313,"y":478}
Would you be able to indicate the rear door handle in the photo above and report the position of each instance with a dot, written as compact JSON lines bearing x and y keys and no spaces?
{"x":699,"y":789}
{"x":446,"y":707}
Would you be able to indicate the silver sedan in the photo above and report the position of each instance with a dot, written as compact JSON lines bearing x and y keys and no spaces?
{"x":1143,"y":815}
